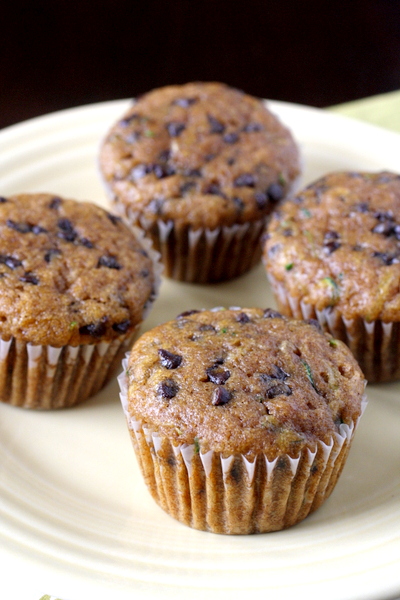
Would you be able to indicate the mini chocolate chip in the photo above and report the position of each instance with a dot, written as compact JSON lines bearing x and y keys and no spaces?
{"x":175,"y":128}
{"x":29,"y":278}
{"x":243,"y":318}
{"x":275,"y":192}
{"x":276,"y":372}
{"x":94,"y":329}
{"x":280,"y":389}
{"x":20,"y":227}
{"x":384,"y":215}
{"x":245,"y":180}
{"x":315,"y":323}
{"x":165,"y":155}
{"x":215,"y":125}
{"x":184,"y":102}
{"x":287,"y":232}
{"x":206,"y":327}
{"x":192,"y":173}
{"x":221,"y":396}
{"x":67,"y":232}
{"x":122,"y":327}
{"x":330,"y":236}
{"x":209,"y":157}
{"x":252,"y":127}
{"x":140,"y":171}
{"x":68,"y":236}
{"x":331,"y":245}
{"x":65,"y":225}
{"x":10,"y":261}
{"x":161,"y":171}
{"x":51,"y":253}
{"x":217,"y":376}
{"x":168,"y":389}
{"x":231,"y":138}
{"x":387,"y":259}
{"x":261,"y":200}
{"x":144,"y":273}
{"x":231,"y":161}
{"x":3,"y":199}
{"x":25,"y":227}
{"x":169,"y":360}
{"x":114,"y":218}
{"x":132,"y":137}
{"x":274,"y":249}
{"x":127,"y":120}
{"x":36,"y":229}
{"x":187,"y":313}
{"x":238,"y":203}
{"x":213,"y":189}
{"x":384,"y":178}
{"x":384,"y":228}
{"x":108,"y":261}
{"x":362,"y":207}
{"x":87,"y":243}
{"x":269,"y":313}
{"x":279,"y":373}
{"x":186,"y":187}
{"x":55,"y":203}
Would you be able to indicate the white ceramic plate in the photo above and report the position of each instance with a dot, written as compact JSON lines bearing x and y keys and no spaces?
{"x":75,"y":517}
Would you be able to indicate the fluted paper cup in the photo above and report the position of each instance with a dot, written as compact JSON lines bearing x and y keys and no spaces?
{"x":232,"y":494}
{"x":374,"y":344}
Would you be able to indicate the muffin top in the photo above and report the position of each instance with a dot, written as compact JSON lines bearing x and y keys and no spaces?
{"x":337,"y":244}
{"x":243,"y":381}
{"x":70,"y":272}
{"x":200,"y":154}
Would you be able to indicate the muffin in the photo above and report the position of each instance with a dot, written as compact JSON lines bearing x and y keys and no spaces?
{"x":333,"y":254}
{"x":75,"y":283}
{"x":241,"y":419}
{"x":199,"y":167}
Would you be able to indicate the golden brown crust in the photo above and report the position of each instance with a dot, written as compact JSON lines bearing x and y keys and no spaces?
{"x":201,"y":155}
{"x":70,"y":273}
{"x":243,"y":381}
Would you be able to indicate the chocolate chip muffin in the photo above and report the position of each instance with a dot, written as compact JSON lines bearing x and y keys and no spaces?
{"x":74,"y":284}
{"x":333,"y":254}
{"x":199,"y":168}
{"x":241,"y":419}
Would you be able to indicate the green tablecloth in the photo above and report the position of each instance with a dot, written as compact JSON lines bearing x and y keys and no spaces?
{"x":382,"y":110}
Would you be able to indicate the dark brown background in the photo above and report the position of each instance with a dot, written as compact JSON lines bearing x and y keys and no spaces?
{"x":56,"y":54}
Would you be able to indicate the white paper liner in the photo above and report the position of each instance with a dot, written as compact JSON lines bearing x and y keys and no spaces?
{"x":374,"y":344}
{"x":45,"y":377}
{"x":255,"y":499}
{"x":158,"y":267}
{"x":200,"y":255}
{"x":209,"y":255}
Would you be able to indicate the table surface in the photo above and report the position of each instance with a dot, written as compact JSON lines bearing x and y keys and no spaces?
{"x":382,"y":110}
